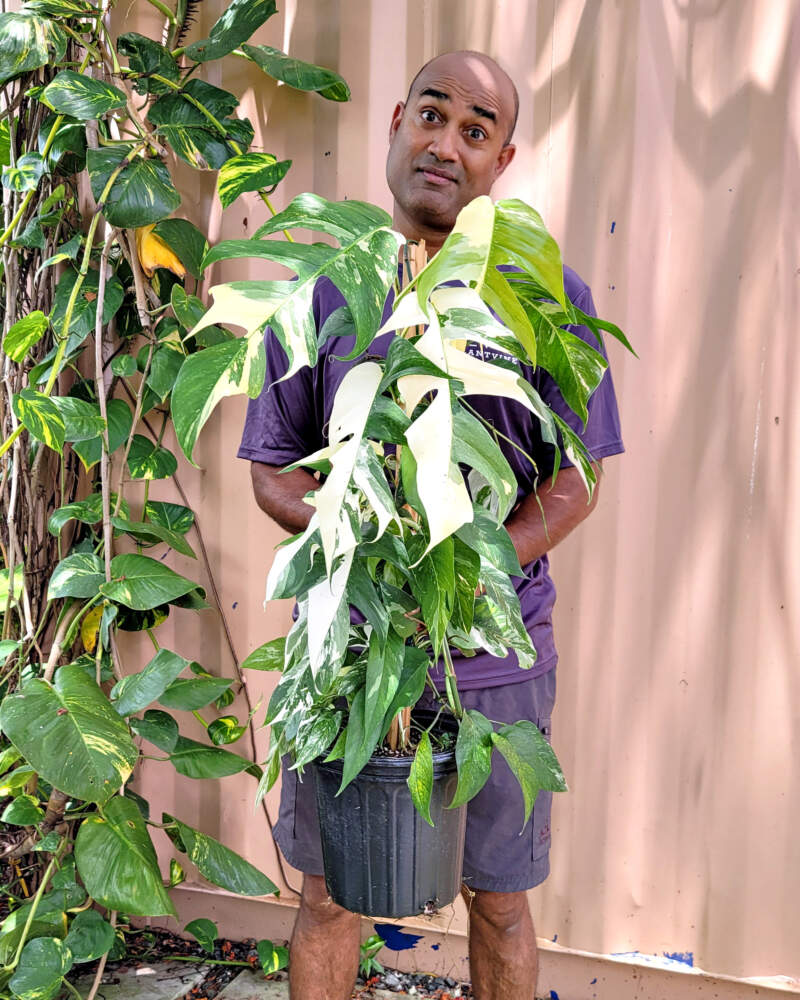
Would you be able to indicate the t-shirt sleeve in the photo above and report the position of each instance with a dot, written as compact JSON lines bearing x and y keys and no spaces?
{"x":281,"y":424}
{"x":602,"y":435}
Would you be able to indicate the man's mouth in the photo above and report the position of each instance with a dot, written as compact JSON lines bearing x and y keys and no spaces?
{"x":435,"y":176}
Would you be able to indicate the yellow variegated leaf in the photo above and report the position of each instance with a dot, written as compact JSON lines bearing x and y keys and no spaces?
{"x":153,"y":252}
{"x":90,"y":628}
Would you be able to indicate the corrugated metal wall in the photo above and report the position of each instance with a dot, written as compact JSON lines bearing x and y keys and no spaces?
{"x":660,"y":142}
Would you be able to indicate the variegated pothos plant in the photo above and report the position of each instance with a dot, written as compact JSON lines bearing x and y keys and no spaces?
{"x":399,"y":533}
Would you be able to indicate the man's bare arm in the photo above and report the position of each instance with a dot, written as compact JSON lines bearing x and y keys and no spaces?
{"x":564,"y":506}
{"x":280,"y":494}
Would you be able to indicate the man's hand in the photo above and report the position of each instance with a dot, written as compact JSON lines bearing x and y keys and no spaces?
{"x":564,"y":507}
{"x":280,"y":494}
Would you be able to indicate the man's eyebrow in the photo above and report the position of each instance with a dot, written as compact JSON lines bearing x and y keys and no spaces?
{"x":441,"y":96}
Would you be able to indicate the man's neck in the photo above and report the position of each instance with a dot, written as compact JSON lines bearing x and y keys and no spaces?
{"x":414,"y":232}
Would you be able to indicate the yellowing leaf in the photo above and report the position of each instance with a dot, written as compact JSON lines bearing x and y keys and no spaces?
{"x":153,"y":252}
{"x":90,"y":628}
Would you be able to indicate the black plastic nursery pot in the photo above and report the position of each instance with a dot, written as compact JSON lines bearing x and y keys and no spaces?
{"x":381,"y":858}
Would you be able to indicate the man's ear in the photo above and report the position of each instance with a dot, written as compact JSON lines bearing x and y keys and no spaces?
{"x":505,"y":157}
{"x":397,"y":117}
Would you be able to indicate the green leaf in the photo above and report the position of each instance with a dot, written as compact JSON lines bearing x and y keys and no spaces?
{"x":137,"y":691}
{"x":267,"y":657}
{"x":78,"y":575}
{"x":16,"y":780}
{"x":164,"y":367}
{"x":24,"y":334}
{"x":40,"y":417}
{"x":43,"y":964}
{"x":498,"y":613}
{"x":150,"y":533}
{"x":531,"y":759}
{"x":5,"y":140}
{"x":159,"y":728}
{"x":25,"y":174}
{"x":192,"y":693}
{"x":433,"y":583}
{"x":70,"y":734}
{"x":142,"y":193}
{"x":49,"y":921}
{"x":173,"y":516}
{"x":473,"y":756}
{"x":67,"y":152}
{"x":384,"y":666}
{"x":475,"y":447}
{"x":491,"y":541}
{"x":411,"y":686}
{"x":236,"y":366}
{"x":81,"y":96}
{"x":204,"y":931}
{"x":186,"y":241}
{"x":467,"y":564}
{"x":120,"y":422}
{"x":420,"y":779}
{"x":142,"y":583}
{"x":117,"y":861}
{"x":24,"y":810}
{"x":359,"y":742}
{"x":237,"y":24}
{"x":191,"y":134}
{"x":362,"y":268}
{"x":576,"y":367}
{"x":249,"y":172}
{"x":146,"y":460}
{"x":225,"y":730}
{"x":124,"y":365}
{"x":28,"y":42}
{"x":221,"y":865}
{"x":298,"y":74}
{"x":272,"y":958}
{"x":31,"y":238}
{"x":148,"y":57}
{"x":315,"y":739}
{"x":84,"y":315}
{"x":82,"y":420}
{"x":89,"y":936}
{"x":176,"y":873}
{"x":387,"y":421}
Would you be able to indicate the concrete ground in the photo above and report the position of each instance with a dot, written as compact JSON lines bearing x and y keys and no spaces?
{"x":173,"y":980}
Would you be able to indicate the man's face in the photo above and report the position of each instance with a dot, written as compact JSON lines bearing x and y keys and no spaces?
{"x":447,"y":145}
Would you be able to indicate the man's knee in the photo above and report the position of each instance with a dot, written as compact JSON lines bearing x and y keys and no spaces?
{"x":504,"y":912}
{"x":318,"y":906}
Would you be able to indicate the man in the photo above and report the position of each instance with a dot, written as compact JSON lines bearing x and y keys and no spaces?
{"x":448,"y":143}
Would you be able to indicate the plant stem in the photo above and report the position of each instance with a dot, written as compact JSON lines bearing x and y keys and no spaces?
{"x":98,"y":976}
{"x":100,"y":389}
{"x":451,"y":683}
{"x":32,"y":912}
{"x":207,"y":961}
{"x":162,"y":7}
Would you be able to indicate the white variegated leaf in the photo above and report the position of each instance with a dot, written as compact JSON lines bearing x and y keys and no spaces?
{"x":440,"y":485}
{"x":283,"y":556}
{"x":324,"y":603}
{"x":369,"y":478}
{"x":351,"y":407}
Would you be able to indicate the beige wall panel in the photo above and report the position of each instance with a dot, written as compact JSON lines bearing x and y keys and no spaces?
{"x":660,"y":142}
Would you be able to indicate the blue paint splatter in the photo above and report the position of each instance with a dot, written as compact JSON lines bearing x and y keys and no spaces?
{"x":613,"y":226}
{"x":593,"y":981}
{"x":687,"y":957}
{"x":555,"y":938}
{"x":435,"y":947}
{"x":235,"y":605}
{"x":553,"y":995}
{"x":395,"y":939}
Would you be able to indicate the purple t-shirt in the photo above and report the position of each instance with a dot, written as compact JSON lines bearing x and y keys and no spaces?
{"x":289,"y":419}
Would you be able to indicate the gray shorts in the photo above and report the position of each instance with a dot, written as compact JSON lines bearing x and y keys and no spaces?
{"x":497,"y":857}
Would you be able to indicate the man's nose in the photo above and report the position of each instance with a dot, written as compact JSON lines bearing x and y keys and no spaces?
{"x":444,"y":144}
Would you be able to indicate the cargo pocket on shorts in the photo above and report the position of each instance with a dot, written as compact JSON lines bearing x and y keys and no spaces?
{"x":541,"y":807}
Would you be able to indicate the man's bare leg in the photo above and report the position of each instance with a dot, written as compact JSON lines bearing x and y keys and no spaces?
{"x":503,"y":958}
{"x":324,"y":950}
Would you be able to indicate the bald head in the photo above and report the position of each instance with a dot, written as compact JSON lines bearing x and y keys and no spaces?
{"x":482,"y":67}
